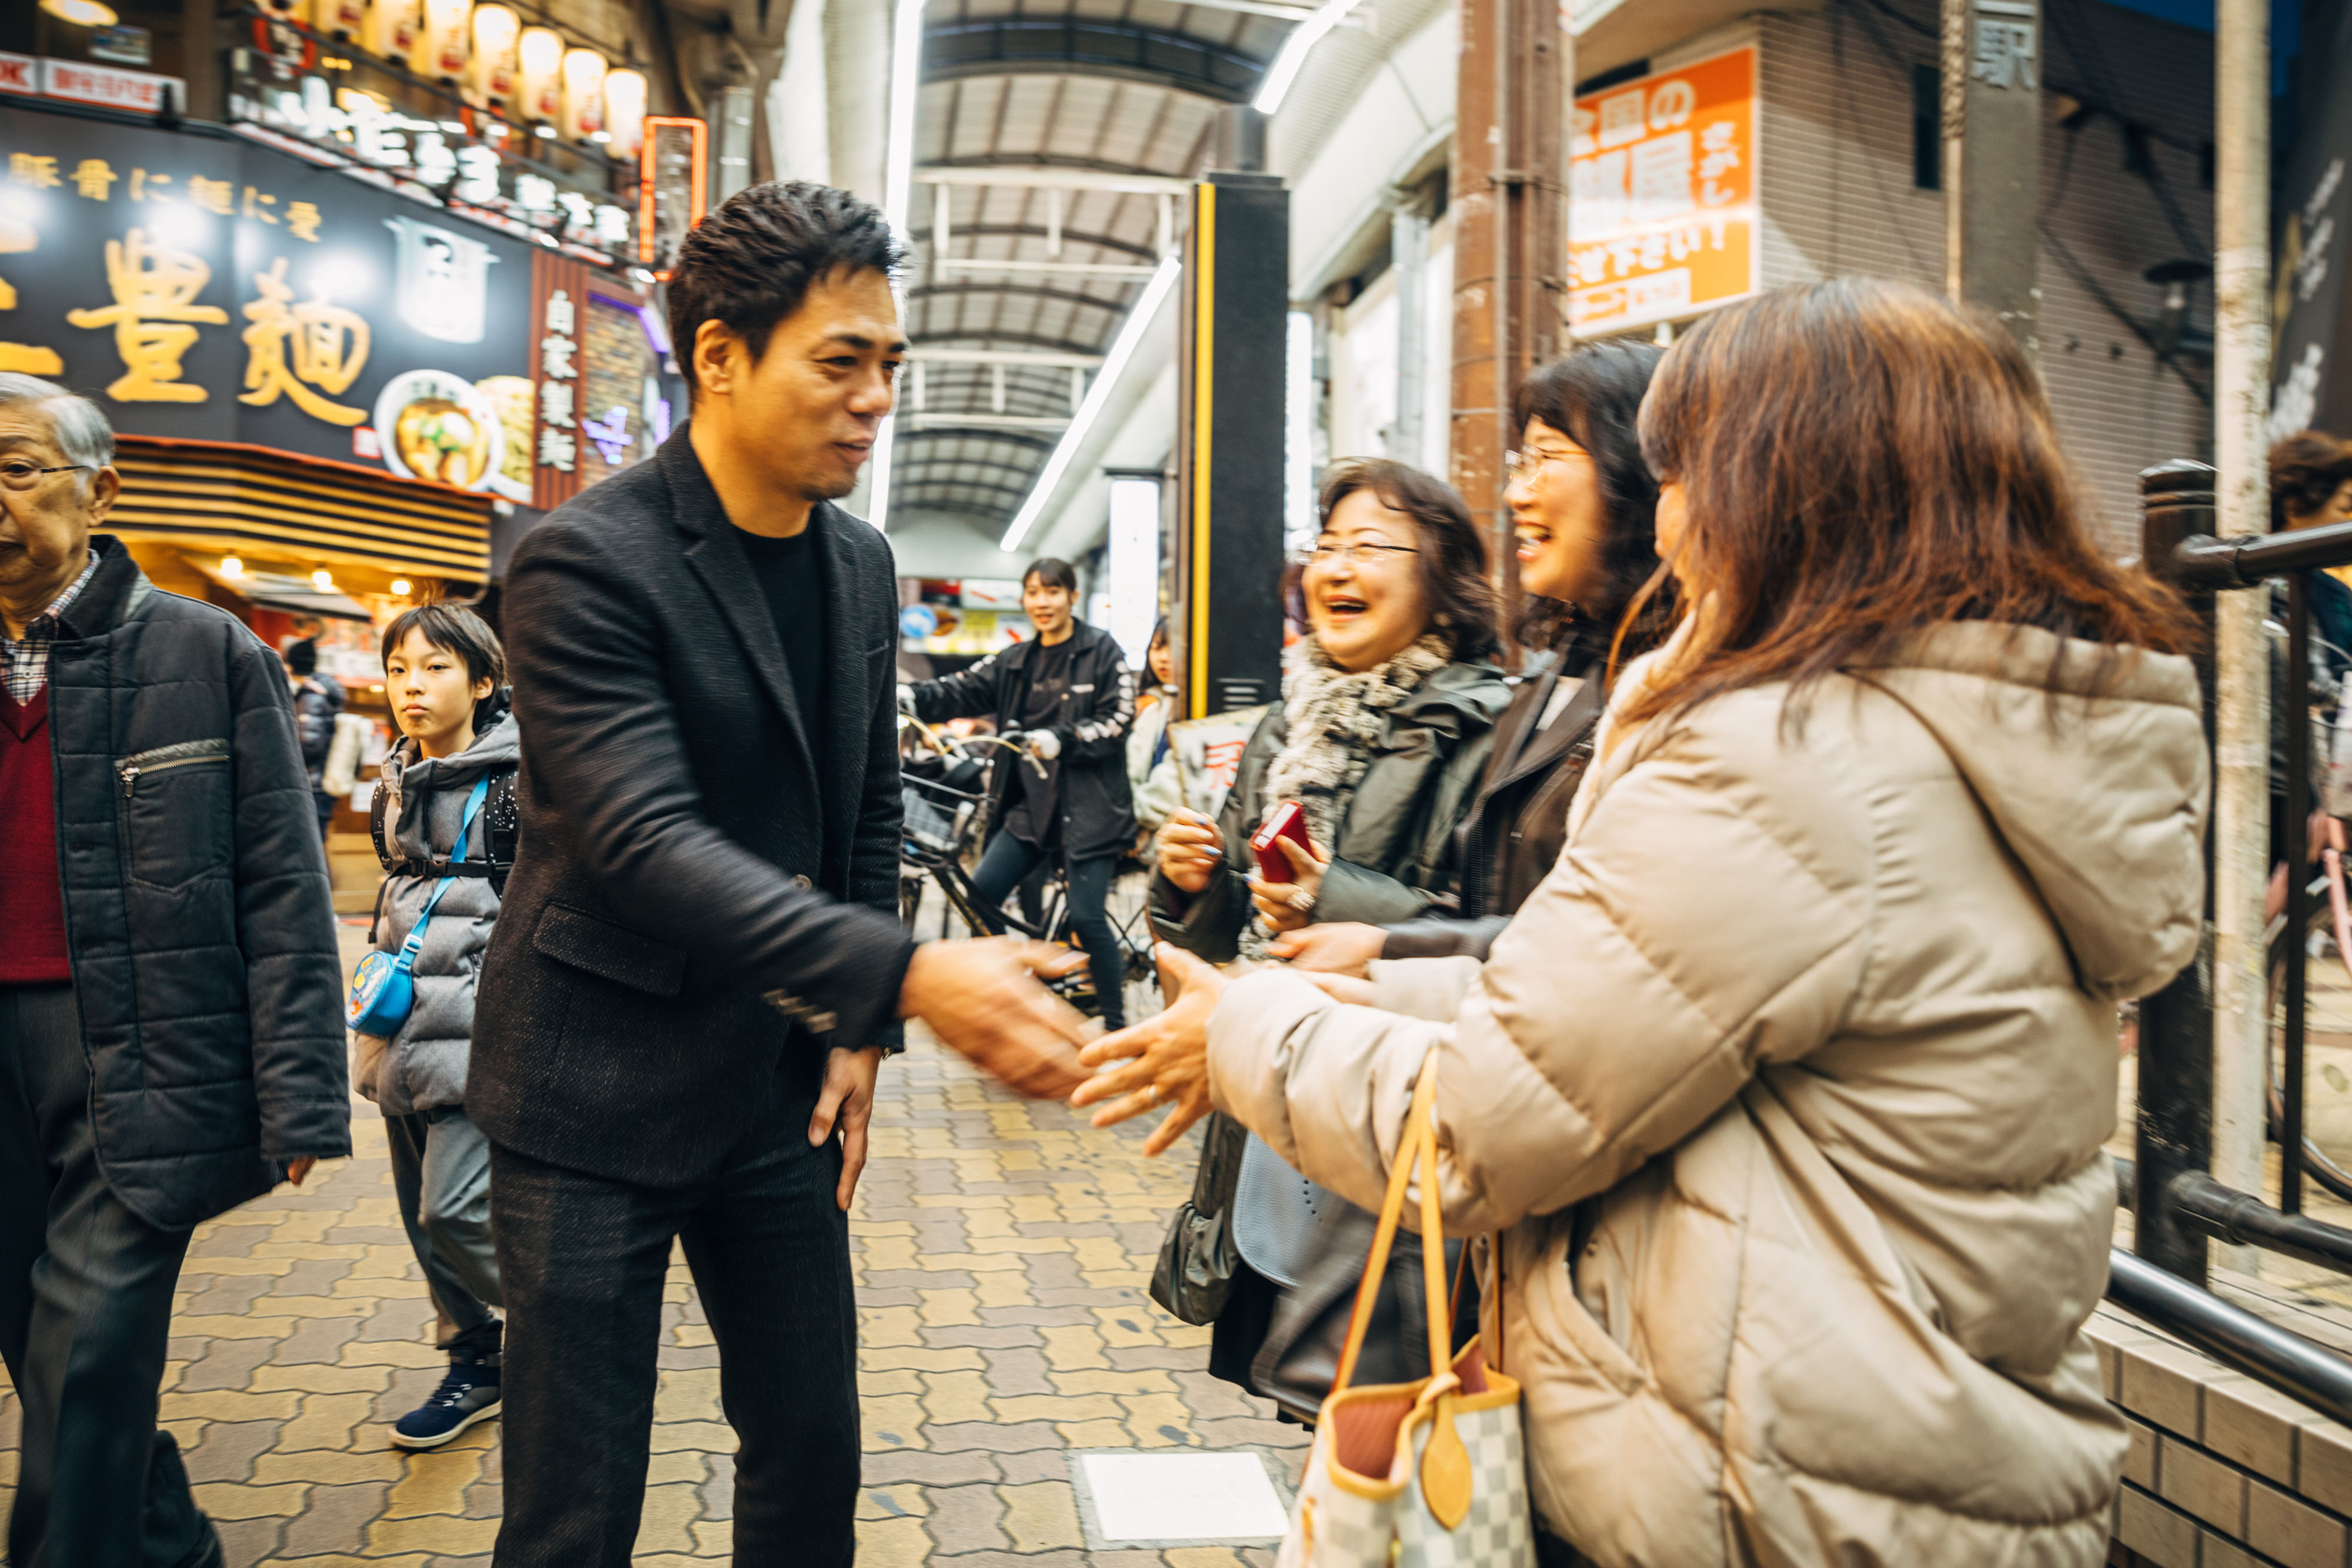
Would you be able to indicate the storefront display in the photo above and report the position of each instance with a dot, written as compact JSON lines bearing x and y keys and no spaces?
{"x":460,"y":109}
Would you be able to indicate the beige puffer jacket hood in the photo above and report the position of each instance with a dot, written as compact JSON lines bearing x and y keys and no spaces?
{"x":1806,"y":1050}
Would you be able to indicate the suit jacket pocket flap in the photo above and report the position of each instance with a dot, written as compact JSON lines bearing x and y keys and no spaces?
{"x":611,"y":952}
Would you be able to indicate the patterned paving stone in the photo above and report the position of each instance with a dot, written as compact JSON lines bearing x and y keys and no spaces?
{"x":1002,"y":1250}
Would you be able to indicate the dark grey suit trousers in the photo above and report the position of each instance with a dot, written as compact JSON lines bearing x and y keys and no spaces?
{"x":583,"y":1259}
{"x":85,"y":1313}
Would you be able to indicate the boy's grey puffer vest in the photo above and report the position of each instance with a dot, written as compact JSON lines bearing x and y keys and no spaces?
{"x":424,"y":1066}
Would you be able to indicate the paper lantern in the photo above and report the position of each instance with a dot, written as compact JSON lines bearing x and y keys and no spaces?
{"x":491,"y":78}
{"x":344,"y":21}
{"x":625,"y":110}
{"x":584,"y":94}
{"x":391,"y":28}
{"x":540,"y":72}
{"x":439,"y":54}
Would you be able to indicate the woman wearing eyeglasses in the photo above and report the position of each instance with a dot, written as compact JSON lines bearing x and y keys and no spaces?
{"x":1584,"y":506}
{"x":1387,"y":709}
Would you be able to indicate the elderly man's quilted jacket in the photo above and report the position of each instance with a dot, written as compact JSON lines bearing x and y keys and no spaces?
{"x":198,"y":918}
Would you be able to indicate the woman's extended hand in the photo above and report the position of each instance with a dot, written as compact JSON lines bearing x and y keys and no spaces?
{"x":1342,"y":947}
{"x":1288,"y":906}
{"x":1164,"y":1059}
{"x":1190,"y":849}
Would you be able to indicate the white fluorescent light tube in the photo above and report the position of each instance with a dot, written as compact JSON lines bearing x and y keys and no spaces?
{"x":1295,"y":50}
{"x":1122,"y":348}
{"x":898,"y":189}
{"x":906,"y":85}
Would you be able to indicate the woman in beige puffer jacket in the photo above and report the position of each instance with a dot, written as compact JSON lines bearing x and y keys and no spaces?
{"x":1785,"y":1093}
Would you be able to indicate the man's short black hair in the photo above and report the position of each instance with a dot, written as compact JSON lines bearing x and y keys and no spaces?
{"x":302,"y":656}
{"x":750,"y":263}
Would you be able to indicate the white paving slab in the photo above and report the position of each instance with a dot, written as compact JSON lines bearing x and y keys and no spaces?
{"x":1181,"y":1496}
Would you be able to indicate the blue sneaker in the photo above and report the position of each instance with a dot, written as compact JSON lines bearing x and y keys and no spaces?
{"x":469,"y":1394}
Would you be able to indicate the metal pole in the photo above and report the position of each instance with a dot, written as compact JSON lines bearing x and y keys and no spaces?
{"x":2174,"y":1132}
{"x":2298,"y":892}
{"x":1992,"y":112}
{"x":2241,"y":651}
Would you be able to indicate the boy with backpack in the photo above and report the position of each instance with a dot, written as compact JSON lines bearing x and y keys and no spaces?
{"x":445,"y":824}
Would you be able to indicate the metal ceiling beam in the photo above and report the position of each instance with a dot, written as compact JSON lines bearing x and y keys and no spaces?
{"x":960,"y":420}
{"x":1016,"y":492}
{"x":1045,"y":176}
{"x":1035,"y":231}
{"x":1076,"y":45}
{"x":1058,"y":345}
{"x":1056,"y":268}
{"x":1017,"y":291}
{"x":1255,"y":8}
{"x":1000,"y":356}
{"x":1008,"y":437}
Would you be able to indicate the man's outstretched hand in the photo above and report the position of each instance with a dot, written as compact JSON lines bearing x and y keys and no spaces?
{"x":983,"y":1000}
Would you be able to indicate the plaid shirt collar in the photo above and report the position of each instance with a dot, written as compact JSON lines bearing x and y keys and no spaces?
{"x":25,"y":662}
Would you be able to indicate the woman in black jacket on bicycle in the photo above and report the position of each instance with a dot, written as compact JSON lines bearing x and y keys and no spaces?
{"x":1065,"y":700}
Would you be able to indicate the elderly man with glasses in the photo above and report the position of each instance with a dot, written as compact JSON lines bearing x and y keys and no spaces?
{"x":171,"y":1033}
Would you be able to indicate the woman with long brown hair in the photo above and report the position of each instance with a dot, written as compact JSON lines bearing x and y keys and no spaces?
{"x":1785,"y":1091}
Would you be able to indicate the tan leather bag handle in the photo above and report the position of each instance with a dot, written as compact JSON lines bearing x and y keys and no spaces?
{"x":1418,"y":1149}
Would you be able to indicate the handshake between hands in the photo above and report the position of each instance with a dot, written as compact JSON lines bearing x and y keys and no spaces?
{"x":983,"y":1000}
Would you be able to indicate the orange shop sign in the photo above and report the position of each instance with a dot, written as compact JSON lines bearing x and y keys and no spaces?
{"x":1662,"y":216}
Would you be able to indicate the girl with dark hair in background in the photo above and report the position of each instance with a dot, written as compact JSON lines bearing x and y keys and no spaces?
{"x":1065,"y":698}
{"x":1389,"y":705}
{"x":1584,"y":505}
{"x":1146,"y":743}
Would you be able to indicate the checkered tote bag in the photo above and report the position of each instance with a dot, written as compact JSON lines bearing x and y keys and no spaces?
{"x":1429,"y":1474}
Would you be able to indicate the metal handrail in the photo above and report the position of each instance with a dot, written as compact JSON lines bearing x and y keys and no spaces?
{"x":2234,"y":1218}
{"x":2301,"y":1369}
{"x":2177,"y":1206}
{"x":2248,"y":561}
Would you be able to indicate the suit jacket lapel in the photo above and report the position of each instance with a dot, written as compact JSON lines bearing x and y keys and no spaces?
{"x":716,"y":558}
{"x":850,"y":701}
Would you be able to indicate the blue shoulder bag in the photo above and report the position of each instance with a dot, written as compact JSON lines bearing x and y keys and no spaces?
{"x":384,"y":987}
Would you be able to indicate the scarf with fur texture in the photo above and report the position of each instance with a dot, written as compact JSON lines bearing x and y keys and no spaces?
{"x":1331,"y":719}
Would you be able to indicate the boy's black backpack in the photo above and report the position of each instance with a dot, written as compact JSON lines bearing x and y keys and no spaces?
{"x":501,"y":827}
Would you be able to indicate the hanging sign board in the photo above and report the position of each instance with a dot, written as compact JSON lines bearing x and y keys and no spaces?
{"x":1661,"y":215}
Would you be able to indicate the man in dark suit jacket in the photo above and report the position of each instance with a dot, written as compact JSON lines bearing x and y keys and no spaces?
{"x":697,"y":964}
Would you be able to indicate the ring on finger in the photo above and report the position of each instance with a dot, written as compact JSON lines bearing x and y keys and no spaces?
{"x":1152,"y":1094}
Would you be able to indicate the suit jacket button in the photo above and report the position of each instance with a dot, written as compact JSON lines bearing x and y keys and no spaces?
{"x":803,"y":884}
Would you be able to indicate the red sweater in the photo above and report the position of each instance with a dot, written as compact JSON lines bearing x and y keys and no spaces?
{"x":32,"y":897}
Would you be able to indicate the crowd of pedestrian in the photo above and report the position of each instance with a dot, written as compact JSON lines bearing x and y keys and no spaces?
{"x":1755,"y":944}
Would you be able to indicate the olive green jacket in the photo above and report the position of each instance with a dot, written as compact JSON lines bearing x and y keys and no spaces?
{"x":1395,"y":856}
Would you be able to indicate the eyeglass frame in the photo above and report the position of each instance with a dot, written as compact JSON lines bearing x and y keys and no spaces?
{"x":1349,"y":552}
{"x":1534,"y":462}
{"x":39,"y":474}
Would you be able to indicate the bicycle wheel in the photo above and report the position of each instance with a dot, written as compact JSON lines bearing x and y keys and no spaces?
{"x":2327,"y":1028}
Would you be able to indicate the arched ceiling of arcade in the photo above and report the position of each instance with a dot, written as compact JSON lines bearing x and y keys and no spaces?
{"x":1050,"y":144}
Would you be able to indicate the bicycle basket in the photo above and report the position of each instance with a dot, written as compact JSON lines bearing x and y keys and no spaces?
{"x":934,"y":816}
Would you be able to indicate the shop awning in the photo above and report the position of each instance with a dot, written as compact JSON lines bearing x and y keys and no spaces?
{"x":292,"y":594}
{"x":206,"y":495}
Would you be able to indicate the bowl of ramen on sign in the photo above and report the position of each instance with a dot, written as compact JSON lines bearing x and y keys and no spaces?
{"x":439,"y":426}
